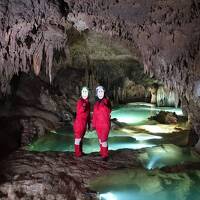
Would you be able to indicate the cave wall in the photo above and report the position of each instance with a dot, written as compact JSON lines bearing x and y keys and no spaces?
{"x":166,"y":34}
{"x":35,"y":107}
{"x":111,"y":63}
{"x":30,"y":32}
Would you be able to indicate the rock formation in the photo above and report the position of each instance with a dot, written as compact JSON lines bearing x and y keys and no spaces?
{"x":166,"y":34}
{"x":47,"y":52}
{"x":163,"y":36}
{"x":29,"y":32}
{"x":62,"y":176}
{"x":30,"y":175}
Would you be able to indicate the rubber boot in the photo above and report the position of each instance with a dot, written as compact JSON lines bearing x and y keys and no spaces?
{"x":104,"y":153}
{"x":81,"y":148}
{"x":101,"y":151}
{"x":77,"y":149}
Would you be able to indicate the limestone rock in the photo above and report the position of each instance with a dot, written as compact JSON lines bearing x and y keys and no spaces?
{"x":165,"y":117}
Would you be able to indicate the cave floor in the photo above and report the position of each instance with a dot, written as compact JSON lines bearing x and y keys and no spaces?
{"x":162,"y":146}
{"x":147,"y":161}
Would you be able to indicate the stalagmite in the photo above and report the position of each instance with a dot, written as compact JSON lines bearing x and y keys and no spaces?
{"x":87,"y":78}
{"x":153,"y":92}
{"x":167,"y":97}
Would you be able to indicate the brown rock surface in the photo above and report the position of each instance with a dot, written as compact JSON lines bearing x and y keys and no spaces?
{"x":29,"y":175}
{"x":166,"y":117}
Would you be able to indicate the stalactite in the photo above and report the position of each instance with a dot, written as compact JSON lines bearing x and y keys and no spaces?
{"x":37,"y":58}
{"x":119,"y":94}
{"x":29,"y":36}
{"x":49,"y":60}
{"x":77,"y":91}
{"x":91,"y":83}
{"x":167,"y":97}
{"x":176,"y":97}
{"x":114,"y":95}
{"x":123,"y":95}
{"x":87,"y":78}
{"x":161,"y":96}
{"x":165,"y":62}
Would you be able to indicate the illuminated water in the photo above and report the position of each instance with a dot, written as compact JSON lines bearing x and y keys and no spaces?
{"x":135,"y":132}
{"x":166,"y":155}
{"x":138,"y":113}
{"x":132,"y":135}
{"x":139,"y":184}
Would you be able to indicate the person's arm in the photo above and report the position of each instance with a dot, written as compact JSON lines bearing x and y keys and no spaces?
{"x":81,"y":106}
{"x":94,"y":118}
{"x":89,"y":117}
{"x":107,"y":103}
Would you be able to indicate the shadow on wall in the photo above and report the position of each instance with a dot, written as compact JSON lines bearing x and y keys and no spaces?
{"x":9,"y":135}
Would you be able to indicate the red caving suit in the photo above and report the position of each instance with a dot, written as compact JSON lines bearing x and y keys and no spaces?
{"x":101,"y":122}
{"x":82,"y":117}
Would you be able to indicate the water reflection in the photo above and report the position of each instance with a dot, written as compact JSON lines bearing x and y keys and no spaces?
{"x":138,"y":184}
{"x":138,"y":113}
{"x":167,"y":155}
{"x":137,"y":132}
{"x":135,"y":135}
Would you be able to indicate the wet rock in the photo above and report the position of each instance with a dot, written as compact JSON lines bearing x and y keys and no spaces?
{"x":31,"y":175}
{"x":29,"y":131}
{"x":38,"y":107}
{"x":115,"y":124}
{"x":165,"y":117}
{"x":193,"y":138}
{"x":181,"y":167}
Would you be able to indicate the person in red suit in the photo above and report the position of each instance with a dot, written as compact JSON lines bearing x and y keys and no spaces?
{"x":81,"y":121}
{"x":101,"y":120}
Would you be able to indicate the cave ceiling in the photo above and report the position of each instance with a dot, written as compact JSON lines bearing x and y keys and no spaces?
{"x":166,"y":35}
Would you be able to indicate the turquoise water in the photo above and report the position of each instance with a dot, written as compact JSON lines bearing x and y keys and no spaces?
{"x":161,"y":148}
{"x":139,"y":184}
{"x":129,"y":135}
{"x":138,"y":113}
{"x":167,"y":155}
